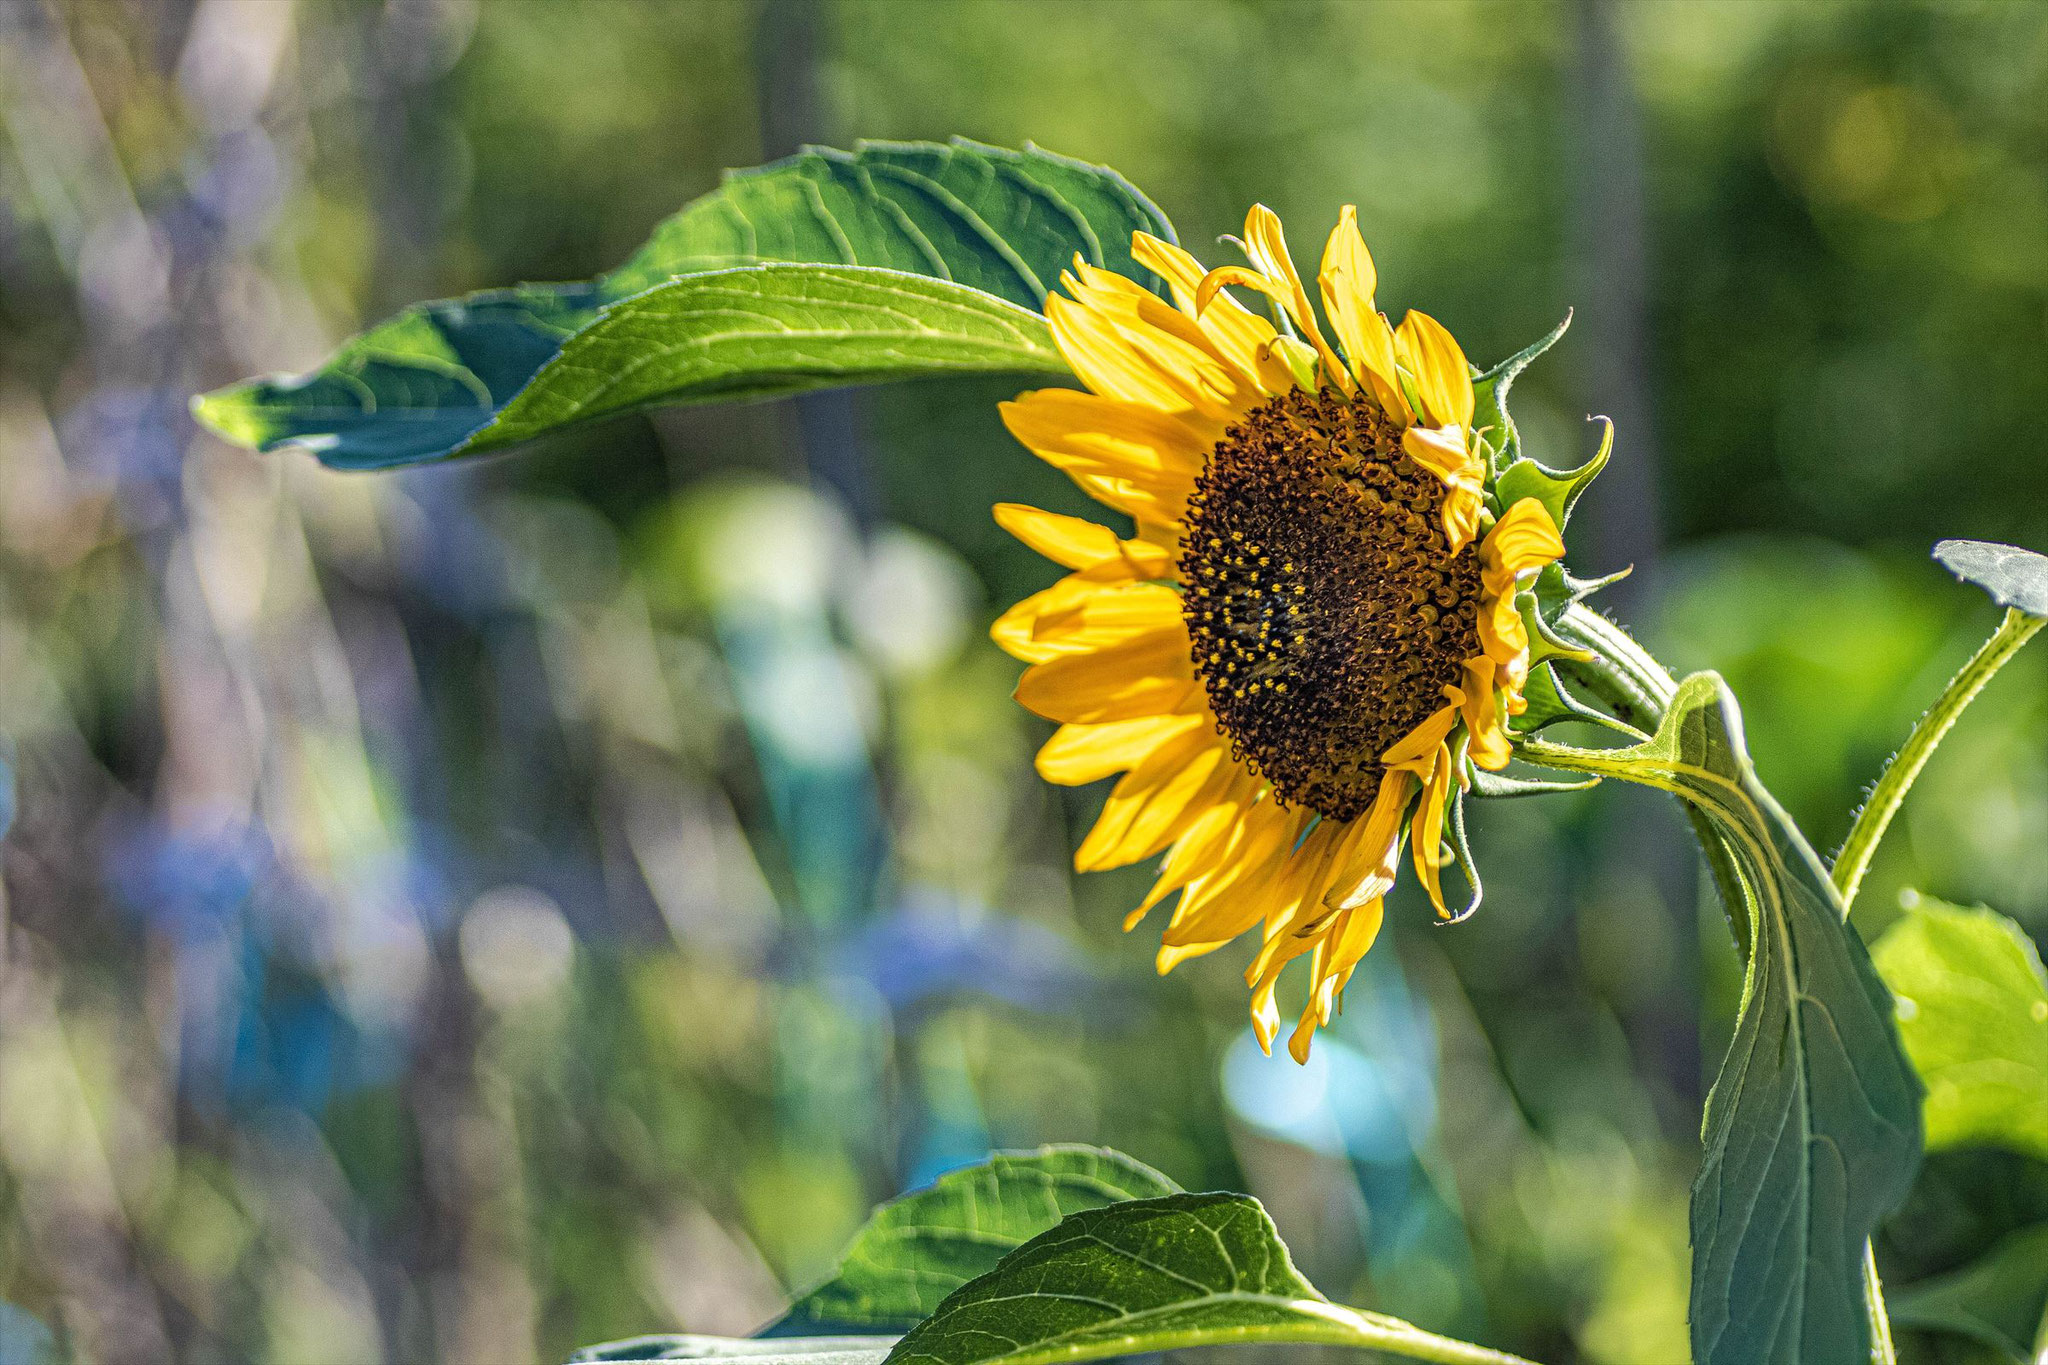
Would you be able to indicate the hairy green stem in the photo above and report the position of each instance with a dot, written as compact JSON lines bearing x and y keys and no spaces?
{"x":1631,"y":681}
{"x":1628,"y":678}
{"x":1871,"y":822}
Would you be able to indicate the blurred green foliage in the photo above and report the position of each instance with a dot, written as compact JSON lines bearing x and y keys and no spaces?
{"x":465,"y":915}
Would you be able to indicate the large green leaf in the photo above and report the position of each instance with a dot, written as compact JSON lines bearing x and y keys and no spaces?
{"x":1973,"y":1010}
{"x":1155,"y":1275}
{"x":429,"y":383}
{"x":914,"y":1251}
{"x":2000,"y":1299}
{"x":1813,"y":1125}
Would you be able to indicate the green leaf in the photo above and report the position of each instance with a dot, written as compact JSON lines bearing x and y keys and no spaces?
{"x":1812,"y":1127}
{"x":753,"y":1350}
{"x":1973,"y":1010}
{"x":1557,"y":490}
{"x":430,"y":382}
{"x":2014,"y":577}
{"x":2001,"y":1299}
{"x":1154,"y":1275}
{"x":915,"y":1250}
{"x":765,"y":330}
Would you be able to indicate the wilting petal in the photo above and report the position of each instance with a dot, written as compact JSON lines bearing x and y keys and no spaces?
{"x":1489,"y":737}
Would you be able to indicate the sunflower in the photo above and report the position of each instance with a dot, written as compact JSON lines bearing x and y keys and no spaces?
{"x":1313,"y":637}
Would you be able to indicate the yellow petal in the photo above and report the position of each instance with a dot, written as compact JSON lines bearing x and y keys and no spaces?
{"x":1200,"y":850}
{"x":1016,"y":630}
{"x":1172,"y":340}
{"x":1104,"y":358}
{"x":1237,"y":332}
{"x":1148,"y":675}
{"x":1267,"y":244}
{"x":1483,"y":721}
{"x":1226,"y":902}
{"x":1157,"y":801}
{"x":1347,"y":281}
{"x":1427,"y":833}
{"x":1442,"y":378}
{"x":1416,"y":751}
{"x":1079,"y":754}
{"x":1369,"y":874}
{"x":1108,"y":616}
{"x":1524,"y":538}
{"x":1126,"y":436}
{"x":1071,"y":542}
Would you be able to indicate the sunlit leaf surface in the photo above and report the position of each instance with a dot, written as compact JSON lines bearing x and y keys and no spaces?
{"x":1973,"y":1011}
{"x":1812,"y":1128}
{"x":1154,"y":1275}
{"x":916,"y":1250}
{"x":434,"y":381}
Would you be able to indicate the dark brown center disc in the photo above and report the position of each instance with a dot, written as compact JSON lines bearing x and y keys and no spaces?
{"x":1325,"y":608}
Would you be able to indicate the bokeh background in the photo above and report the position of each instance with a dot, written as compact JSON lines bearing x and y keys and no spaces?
{"x":463,"y":914}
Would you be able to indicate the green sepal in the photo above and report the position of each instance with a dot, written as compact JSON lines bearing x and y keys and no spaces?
{"x":1557,"y":489}
{"x":1490,"y":401}
{"x":1502,"y":785}
{"x":1551,"y":702}
{"x":1583,"y":588}
{"x":1541,"y":605}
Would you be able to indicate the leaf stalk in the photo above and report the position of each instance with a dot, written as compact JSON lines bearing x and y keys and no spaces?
{"x":1897,"y":779}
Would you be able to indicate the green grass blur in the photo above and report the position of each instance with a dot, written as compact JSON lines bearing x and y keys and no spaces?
{"x":462,"y":915}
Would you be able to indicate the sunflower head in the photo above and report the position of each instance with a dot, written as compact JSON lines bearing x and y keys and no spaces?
{"x":1320,"y":633}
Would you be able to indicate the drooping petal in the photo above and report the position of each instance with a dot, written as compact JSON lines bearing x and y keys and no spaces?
{"x":1427,"y":833}
{"x":1219,"y":906}
{"x":1482,"y":712}
{"x":1201,"y":848}
{"x":1369,"y":874}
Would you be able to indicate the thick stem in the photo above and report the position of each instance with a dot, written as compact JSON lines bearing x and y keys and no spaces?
{"x":1871,"y":822}
{"x":1625,"y":675}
